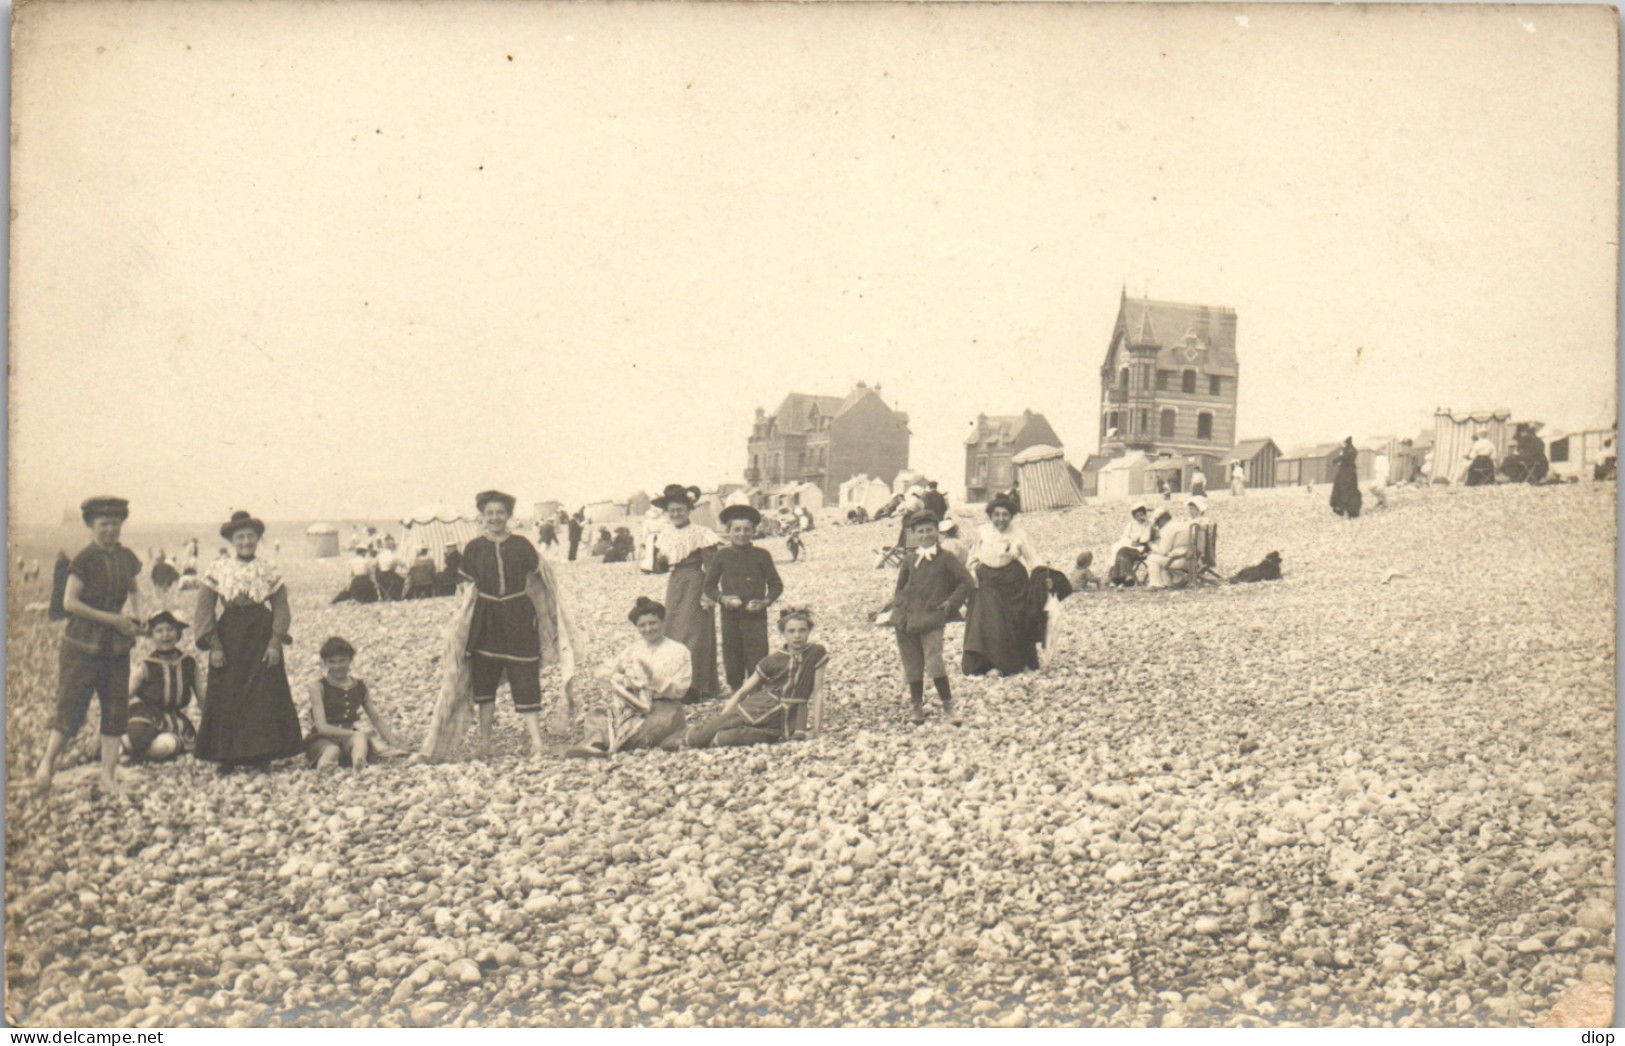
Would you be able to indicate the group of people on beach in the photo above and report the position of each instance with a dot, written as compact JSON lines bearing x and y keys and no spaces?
{"x":511,"y":620}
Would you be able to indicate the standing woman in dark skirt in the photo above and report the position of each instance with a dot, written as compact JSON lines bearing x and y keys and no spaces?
{"x":242,"y":621}
{"x":1346,"y":481}
{"x":996,"y":632}
{"x":687,"y":548}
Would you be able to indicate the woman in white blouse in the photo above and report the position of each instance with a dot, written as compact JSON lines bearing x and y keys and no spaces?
{"x":998,"y":632}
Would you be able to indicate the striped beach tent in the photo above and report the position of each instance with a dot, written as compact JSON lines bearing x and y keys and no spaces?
{"x":434,"y":527}
{"x":1047,"y":481}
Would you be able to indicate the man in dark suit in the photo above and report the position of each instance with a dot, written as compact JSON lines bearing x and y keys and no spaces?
{"x":934,"y":501}
{"x":930,"y":585}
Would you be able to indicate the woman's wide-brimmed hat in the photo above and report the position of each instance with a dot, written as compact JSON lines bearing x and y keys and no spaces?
{"x":733,"y":512}
{"x":676,"y":492}
{"x":1138,"y":506}
{"x":1198,"y":501}
{"x":104,"y":505}
{"x":485,"y":497}
{"x":241,"y":520}
{"x":1003,"y":501}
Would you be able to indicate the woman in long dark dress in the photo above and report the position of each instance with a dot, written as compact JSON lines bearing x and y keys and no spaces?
{"x":1346,"y":483}
{"x":242,"y":622}
{"x":687,"y":549}
{"x":997,"y":633}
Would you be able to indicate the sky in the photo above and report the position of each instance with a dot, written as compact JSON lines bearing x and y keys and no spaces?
{"x":343,"y":260}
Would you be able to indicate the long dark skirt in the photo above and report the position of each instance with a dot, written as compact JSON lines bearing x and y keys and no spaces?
{"x":693,"y":626}
{"x":1346,"y":492}
{"x":1122,"y":572}
{"x":996,"y":632}
{"x":248,"y":712}
{"x":1481,"y":472}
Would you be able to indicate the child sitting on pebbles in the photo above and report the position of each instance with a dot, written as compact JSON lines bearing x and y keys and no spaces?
{"x":338,"y":736}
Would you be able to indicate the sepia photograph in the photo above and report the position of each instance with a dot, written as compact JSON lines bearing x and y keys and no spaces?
{"x":769,"y":515}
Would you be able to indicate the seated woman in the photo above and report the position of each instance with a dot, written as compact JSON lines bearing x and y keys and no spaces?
{"x":783,"y":698}
{"x":604,"y":543}
{"x":621,"y":546}
{"x":1173,"y":544}
{"x":1132,"y":546}
{"x":649,"y":680}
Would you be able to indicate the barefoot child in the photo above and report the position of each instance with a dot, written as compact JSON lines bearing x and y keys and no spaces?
{"x":163,"y":684}
{"x":338,"y":736}
{"x":782,"y":700}
{"x":502,"y":638}
{"x":930,"y":585}
{"x":743,"y":579}
{"x":95,"y":657}
{"x":649,"y":680}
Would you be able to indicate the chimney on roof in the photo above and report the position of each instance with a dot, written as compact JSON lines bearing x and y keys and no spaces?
{"x":861,"y":385}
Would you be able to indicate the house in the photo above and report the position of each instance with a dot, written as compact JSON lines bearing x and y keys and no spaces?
{"x":993,"y":443}
{"x":1168,"y":382}
{"x":825,"y":440}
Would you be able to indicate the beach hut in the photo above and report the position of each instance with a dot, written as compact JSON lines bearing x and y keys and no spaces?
{"x":1454,"y":434}
{"x":601,"y":512}
{"x":706,"y":511}
{"x":905,"y":479}
{"x":1257,"y":458}
{"x":434,"y":527}
{"x":322,"y":541}
{"x":864,"y":492}
{"x":1047,"y":481}
{"x":1576,"y":455}
{"x":1089,"y":475}
{"x":1123,"y":477}
{"x":1305,"y":466}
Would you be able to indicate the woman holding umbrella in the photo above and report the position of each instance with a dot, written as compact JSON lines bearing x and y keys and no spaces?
{"x":242,"y":622}
{"x":686,"y":549}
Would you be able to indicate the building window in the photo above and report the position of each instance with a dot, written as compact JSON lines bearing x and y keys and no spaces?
{"x":1122,"y":379}
{"x":1001,"y":473}
{"x":1142,"y":421}
{"x":1204,"y":425}
{"x":1162,"y":380}
{"x":1189,"y":382}
{"x":1113,"y":420}
{"x":1166,"y":431}
{"x":981,"y":470}
{"x":1215,"y":385}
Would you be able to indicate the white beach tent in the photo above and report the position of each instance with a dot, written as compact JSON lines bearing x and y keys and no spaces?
{"x":1047,"y":482}
{"x":864,"y":492}
{"x":434,"y":527}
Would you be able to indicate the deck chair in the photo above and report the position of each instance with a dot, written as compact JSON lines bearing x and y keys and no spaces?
{"x":890,"y":556}
{"x":1200,"y":564}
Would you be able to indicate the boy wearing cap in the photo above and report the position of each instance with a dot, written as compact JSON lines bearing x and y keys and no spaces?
{"x":502,"y":637}
{"x":161,"y":686}
{"x":930,"y":585}
{"x":742,"y":578}
{"x":95,"y":656}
